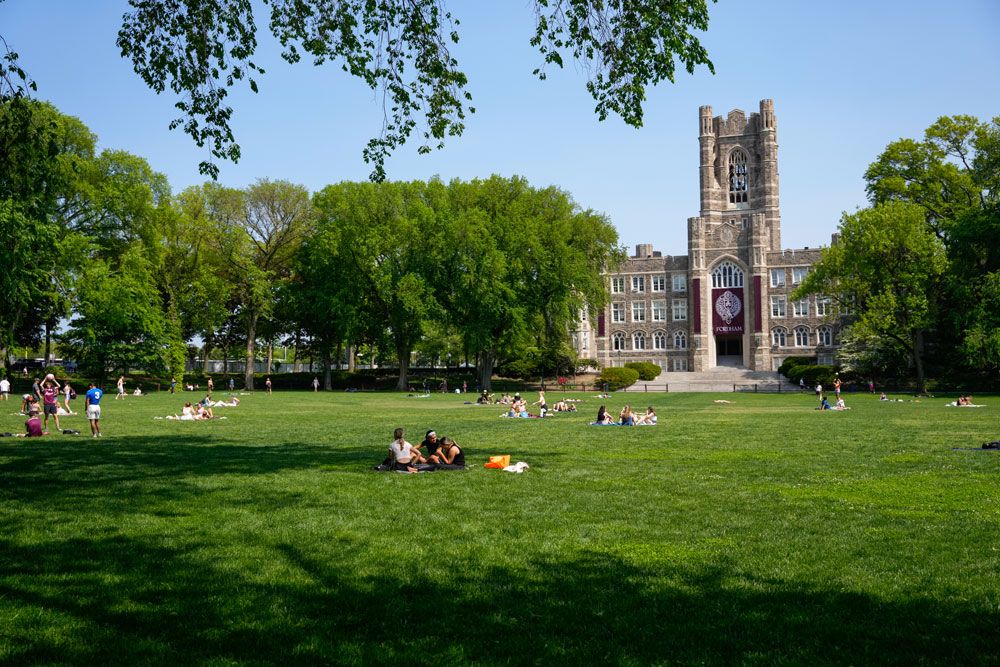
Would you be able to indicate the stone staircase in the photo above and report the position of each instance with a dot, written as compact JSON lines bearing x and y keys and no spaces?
{"x":718,"y":379}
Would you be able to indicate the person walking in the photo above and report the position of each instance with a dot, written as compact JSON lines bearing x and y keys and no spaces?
{"x":315,"y":384}
{"x":173,"y":385}
{"x":4,"y":389}
{"x":232,"y":384}
{"x":121,"y":388}
{"x":92,"y":401}
{"x":211,"y":385}
{"x":267,"y":386}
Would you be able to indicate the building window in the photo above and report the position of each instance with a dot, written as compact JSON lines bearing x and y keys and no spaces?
{"x":659,"y":311}
{"x":824,"y":336}
{"x":800,"y":308}
{"x":638,"y":311}
{"x":779,"y":337}
{"x":618,"y":312}
{"x":638,"y":341}
{"x":727,"y":274}
{"x":680,"y":308}
{"x":799,"y":274}
{"x":639,"y":284}
{"x":659,"y":283}
{"x":680,"y":341}
{"x":617,"y":285}
{"x":680,"y":282}
{"x":801,"y":337}
{"x":618,"y":341}
{"x":777,"y":277}
{"x":680,"y":364}
{"x":738,"y":179}
{"x":659,"y":341}
{"x":777,"y":306}
{"x":824,"y":306}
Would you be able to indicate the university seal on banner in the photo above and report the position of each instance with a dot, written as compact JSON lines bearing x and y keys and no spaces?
{"x":728,"y":306}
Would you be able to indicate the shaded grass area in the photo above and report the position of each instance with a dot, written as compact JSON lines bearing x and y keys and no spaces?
{"x":758,"y":532}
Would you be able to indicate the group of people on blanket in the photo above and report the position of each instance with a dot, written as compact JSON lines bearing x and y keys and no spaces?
{"x":626,"y":418}
{"x":431,"y":454}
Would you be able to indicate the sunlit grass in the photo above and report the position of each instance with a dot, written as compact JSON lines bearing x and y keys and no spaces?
{"x":759,"y":531}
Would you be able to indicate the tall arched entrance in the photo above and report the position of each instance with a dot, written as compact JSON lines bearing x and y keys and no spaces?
{"x":728,"y":314}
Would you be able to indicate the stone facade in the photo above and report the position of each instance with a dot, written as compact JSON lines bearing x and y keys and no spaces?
{"x":726,"y":303}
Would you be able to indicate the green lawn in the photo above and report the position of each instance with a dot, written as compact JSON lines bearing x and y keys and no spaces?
{"x":759,"y":532}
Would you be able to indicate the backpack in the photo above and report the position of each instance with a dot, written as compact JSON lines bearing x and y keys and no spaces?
{"x":995,"y":444}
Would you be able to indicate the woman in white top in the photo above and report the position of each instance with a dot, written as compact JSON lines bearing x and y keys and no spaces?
{"x":402,"y":452}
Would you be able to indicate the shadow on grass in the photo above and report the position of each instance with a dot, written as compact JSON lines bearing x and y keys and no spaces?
{"x":117,"y":600}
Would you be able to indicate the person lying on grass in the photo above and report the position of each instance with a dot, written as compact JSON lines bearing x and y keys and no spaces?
{"x":191,"y":413}
{"x":231,"y":403}
{"x":449,"y":455}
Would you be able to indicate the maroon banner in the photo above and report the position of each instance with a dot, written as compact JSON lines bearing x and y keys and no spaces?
{"x":727,"y":310}
{"x":757,"y":325}
{"x":696,"y":302}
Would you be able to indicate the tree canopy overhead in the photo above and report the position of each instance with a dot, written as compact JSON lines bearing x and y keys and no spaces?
{"x":201,"y":49}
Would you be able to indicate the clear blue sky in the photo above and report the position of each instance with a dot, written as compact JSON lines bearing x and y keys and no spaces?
{"x":847,"y":78}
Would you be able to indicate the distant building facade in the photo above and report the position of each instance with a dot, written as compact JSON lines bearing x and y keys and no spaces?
{"x":727,"y":302}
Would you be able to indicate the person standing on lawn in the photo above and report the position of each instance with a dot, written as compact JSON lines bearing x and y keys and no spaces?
{"x":93,"y":403}
{"x":50,"y":403}
{"x":4,"y":389}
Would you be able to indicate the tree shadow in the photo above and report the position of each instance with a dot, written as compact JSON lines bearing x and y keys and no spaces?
{"x":119,"y":600}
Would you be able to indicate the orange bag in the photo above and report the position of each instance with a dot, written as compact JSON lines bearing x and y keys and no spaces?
{"x":498,"y":462}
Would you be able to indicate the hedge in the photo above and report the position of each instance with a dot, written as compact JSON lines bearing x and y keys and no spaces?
{"x":618,"y":378}
{"x":647,"y":370}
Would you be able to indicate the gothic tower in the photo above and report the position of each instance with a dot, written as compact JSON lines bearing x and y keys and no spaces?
{"x":728,"y":242}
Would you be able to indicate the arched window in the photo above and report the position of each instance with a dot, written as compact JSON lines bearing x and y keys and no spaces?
{"x":779,"y":337}
{"x":659,"y":341}
{"x":727,"y":274}
{"x":738,"y":177}
{"x":618,"y":341}
{"x":680,"y":340}
{"x":638,"y":341}
{"x":824,"y":336}
{"x":801,"y":336}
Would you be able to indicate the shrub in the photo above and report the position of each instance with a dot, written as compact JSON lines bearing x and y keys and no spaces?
{"x":814,"y":375}
{"x":647,"y":370}
{"x":792,"y":362}
{"x":618,"y":378}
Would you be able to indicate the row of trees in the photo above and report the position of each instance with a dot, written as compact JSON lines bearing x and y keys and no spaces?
{"x":498,"y":265}
{"x":920,"y":267}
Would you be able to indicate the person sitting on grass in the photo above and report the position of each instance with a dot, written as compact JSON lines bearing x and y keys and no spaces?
{"x":429,"y":446}
{"x":33,"y":427}
{"x":627,"y":416}
{"x":402,"y":453}
{"x":603,"y":416}
{"x":484,"y":398}
{"x":823,"y":403}
{"x":840,"y":405}
{"x":449,"y":456}
{"x":188,"y":414}
{"x":647,"y":419}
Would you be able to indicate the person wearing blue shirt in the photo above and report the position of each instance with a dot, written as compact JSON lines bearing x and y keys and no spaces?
{"x":93,"y":403}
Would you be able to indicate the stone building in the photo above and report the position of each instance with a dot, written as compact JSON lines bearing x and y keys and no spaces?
{"x":725,"y":303}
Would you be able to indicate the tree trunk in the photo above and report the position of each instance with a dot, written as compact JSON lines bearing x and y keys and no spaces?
{"x":251,"y":339}
{"x":340,"y":352}
{"x":403,"y":355}
{"x":270,"y":356}
{"x":296,"y":365}
{"x":352,"y":361}
{"x":209,"y":339}
{"x":48,"y":343}
{"x":485,"y":369}
{"x":918,"y":362}
{"x":327,"y":370}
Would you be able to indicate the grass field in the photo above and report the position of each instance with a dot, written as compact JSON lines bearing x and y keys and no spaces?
{"x":760,"y":532}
